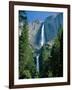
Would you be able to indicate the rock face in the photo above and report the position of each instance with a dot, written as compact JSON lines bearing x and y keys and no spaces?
{"x":51,"y":27}
{"x":33,"y":31}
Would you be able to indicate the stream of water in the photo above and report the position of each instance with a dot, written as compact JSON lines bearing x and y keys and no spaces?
{"x":37,"y":63}
{"x":41,"y":43}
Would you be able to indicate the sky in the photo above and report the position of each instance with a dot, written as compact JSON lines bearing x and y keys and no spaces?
{"x":40,"y":15}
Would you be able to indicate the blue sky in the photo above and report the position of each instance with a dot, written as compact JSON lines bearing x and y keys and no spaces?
{"x":40,"y":15}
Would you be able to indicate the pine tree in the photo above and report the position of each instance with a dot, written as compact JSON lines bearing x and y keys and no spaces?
{"x":57,"y":55}
{"x":23,"y":44}
{"x":26,"y":63}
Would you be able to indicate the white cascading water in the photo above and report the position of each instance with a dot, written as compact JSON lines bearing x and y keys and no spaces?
{"x":37,"y":62}
{"x":42,"y":35}
{"x":41,"y":43}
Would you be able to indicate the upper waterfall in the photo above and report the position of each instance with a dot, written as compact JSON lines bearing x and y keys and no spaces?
{"x":42,"y":36}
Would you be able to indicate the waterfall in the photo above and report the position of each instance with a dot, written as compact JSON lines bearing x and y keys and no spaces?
{"x":37,"y":63}
{"x":42,"y":35}
{"x":41,"y":44}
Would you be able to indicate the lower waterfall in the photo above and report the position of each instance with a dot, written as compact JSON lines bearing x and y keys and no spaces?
{"x":37,"y":63}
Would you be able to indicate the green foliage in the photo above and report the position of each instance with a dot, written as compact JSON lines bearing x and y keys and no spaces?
{"x":25,"y":74}
{"x":44,"y":61}
{"x":26,"y":62}
{"x":57,"y":55}
{"x":22,"y":16}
